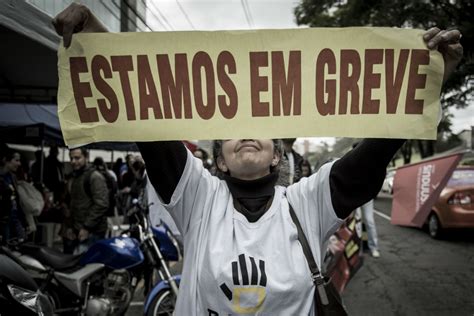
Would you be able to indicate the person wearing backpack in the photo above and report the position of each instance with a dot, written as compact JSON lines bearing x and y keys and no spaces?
{"x":89,"y":202}
{"x":111,"y":180}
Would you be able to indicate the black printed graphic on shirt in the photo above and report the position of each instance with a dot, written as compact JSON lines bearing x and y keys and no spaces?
{"x":248,"y":290}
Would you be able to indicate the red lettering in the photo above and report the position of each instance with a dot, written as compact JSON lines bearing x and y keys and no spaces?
{"x":393,"y":84}
{"x":101,"y":65}
{"x":258,"y":83}
{"x":371,"y":80}
{"x":416,"y":80}
{"x":203,"y":61}
{"x":81,"y":90}
{"x":350,"y":60}
{"x":325,"y":58}
{"x":224,"y":60}
{"x":147,"y":89}
{"x":176,"y":90}
{"x":288,"y":87}
{"x":122,"y":65}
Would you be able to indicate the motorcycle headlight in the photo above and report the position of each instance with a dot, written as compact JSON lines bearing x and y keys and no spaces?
{"x":34,"y":301}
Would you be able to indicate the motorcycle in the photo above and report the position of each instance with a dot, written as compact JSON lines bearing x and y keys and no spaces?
{"x":102,"y":280}
{"x":19,"y":293}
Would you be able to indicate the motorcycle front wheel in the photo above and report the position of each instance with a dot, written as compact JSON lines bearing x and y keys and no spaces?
{"x":163,"y":304}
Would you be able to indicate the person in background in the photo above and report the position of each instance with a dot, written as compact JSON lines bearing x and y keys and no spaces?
{"x":305,"y":168}
{"x":294,"y":159}
{"x":12,"y":219}
{"x":35,"y":169}
{"x":138,"y":187}
{"x":126,"y":173}
{"x":111,"y":180}
{"x":368,"y":217}
{"x":116,"y":169}
{"x":367,"y":210}
{"x":30,"y":199}
{"x":53,"y":176}
{"x":87,"y":221}
{"x":204,"y":156}
{"x":101,"y":166}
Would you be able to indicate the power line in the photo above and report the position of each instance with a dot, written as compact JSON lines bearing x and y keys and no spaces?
{"x":156,"y":18}
{"x":162,"y":15}
{"x":246,"y":9}
{"x":123,"y":10}
{"x":185,"y":15}
{"x":110,"y":10}
{"x":137,"y":15}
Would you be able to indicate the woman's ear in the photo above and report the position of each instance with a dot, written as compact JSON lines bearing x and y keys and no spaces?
{"x":221,"y":164}
{"x":276,"y":159}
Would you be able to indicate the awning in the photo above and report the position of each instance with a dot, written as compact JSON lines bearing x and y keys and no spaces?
{"x":32,"y":123}
{"x":29,"y":124}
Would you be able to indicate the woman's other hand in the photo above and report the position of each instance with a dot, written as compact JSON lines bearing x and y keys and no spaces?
{"x":447,"y":42}
{"x":74,"y":19}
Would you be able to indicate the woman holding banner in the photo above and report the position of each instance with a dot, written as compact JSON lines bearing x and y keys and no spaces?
{"x":242,"y":249}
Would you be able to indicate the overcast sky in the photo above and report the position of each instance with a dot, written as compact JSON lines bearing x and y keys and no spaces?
{"x":231,"y":14}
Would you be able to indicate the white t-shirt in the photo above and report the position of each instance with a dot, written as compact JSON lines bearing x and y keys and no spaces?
{"x":158,"y":213}
{"x":235,"y":267}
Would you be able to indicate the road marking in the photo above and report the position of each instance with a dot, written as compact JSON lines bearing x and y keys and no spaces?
{"x":382,"y":215}
{"x":136,"y":304}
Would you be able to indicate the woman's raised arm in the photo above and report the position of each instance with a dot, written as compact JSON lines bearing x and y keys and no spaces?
{"x":165,"y":161}
{"x":357,"y":177}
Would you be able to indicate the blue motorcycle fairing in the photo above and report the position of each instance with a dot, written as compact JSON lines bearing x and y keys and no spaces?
{"x":114,"y":253}
{"x":162,"y":285}
{"x":167,"y":248}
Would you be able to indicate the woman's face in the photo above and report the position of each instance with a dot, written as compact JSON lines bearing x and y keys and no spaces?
{"x":305,"y":171}
{"x":247,"y":159}
{"x":13,"y":164}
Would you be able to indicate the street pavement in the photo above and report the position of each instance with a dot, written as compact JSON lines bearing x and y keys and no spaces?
{"x":415,"y":274}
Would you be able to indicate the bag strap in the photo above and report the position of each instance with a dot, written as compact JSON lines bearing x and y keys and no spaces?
{"x":318,"y":279}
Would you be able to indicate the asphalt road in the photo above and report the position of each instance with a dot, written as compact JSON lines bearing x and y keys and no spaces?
{"x":415,"y":274}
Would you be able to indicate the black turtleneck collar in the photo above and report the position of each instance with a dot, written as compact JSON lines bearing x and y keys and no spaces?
{"x":254,"y":196}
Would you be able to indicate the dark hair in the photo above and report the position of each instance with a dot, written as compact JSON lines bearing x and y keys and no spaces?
{"x":305,"y":163}
{"x":99,"y":163}
{"x":205,"y":155}
{"x":139,"y":166}
{"x":3,"y":151}
{"x":288,"y":140}
{"x":83,"y":150}
{"x":217,"y":151}
{"x":9,"y":154}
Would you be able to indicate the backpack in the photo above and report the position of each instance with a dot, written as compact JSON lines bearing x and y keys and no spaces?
{"x":112,"y":189}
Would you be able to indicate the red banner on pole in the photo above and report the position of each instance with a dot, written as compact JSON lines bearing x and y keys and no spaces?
{"x":416,"y":188}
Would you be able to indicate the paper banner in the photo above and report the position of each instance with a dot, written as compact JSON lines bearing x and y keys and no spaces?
{"x":355,"y":82}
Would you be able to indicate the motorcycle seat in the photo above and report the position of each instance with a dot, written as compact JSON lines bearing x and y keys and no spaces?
{"x":51,"y":257}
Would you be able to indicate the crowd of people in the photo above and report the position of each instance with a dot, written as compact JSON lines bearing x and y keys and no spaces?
{"x":81,"y":200}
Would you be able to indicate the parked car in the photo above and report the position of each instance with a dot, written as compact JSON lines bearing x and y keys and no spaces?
{"x":387,"y":186}
{"x":455,"y":205}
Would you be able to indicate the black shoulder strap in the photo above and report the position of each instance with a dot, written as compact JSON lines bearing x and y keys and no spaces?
{"x":313,"y":267}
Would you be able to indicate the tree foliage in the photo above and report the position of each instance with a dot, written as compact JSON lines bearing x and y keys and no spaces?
{"x":458,"y":91}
